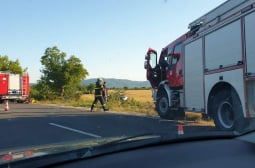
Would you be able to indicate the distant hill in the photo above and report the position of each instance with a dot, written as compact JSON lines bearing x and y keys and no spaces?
{"x":119,"y":83}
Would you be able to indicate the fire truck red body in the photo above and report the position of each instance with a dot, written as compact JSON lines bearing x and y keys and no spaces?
{"x":210,"y":69}
{"x":14,"y":87}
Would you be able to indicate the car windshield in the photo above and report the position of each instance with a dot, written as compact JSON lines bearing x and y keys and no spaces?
{"x":72,"y":73}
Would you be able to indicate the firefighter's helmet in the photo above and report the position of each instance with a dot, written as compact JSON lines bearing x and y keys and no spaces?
{"x":99,"y":79}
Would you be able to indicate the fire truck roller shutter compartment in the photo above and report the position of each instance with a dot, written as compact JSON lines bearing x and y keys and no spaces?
{"x":223,"y":47}
{"x":250,"y":60}
{"x":14,"y":84}
{"x":194,"y":96}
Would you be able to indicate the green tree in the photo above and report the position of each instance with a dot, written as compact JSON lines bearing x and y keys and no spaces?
{"x":53,"y":61}
{"x":42,"y":91}
{"x":62,"y":77}
{"x":74,"y":73}
{"x":91,"y":87}
{"x":83,"y":89}
{"x":11,"y":66}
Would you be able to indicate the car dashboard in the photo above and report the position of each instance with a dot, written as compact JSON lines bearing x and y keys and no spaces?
{"x":210,"y":153}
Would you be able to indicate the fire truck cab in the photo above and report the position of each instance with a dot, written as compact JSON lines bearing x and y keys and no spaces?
{"x":166,"y":78}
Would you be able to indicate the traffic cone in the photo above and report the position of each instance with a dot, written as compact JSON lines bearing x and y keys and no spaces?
{"x":6,"y":106}
{"x":180,"y":129}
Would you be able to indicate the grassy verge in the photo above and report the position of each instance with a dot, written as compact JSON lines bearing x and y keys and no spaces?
{"x":139,"y":101}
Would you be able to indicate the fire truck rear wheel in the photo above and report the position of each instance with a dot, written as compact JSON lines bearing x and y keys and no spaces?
{"x":162,"y":106}
{"x":227,"y":110}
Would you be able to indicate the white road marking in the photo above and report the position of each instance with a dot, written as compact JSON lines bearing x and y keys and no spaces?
{"x":75,"y":130}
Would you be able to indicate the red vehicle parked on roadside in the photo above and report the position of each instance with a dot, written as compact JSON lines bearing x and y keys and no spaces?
{"x":14,"y":87}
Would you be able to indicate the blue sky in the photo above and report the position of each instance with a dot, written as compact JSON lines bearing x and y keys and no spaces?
{"x":110,"y":37}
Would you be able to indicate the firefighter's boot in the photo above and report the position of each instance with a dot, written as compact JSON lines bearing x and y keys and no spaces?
{"x":105,"y":109}
{"x":92,"y":107}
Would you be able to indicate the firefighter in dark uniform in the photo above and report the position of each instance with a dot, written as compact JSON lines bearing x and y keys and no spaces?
{"x":99,"y":95}
{"x":105,"y":92}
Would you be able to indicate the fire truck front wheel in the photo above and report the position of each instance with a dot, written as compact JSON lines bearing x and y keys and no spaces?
{"x":227,"y":110}
{"x":162,"y":106}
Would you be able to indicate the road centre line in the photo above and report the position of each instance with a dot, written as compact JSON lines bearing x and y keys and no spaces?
{"x":75,"y":130}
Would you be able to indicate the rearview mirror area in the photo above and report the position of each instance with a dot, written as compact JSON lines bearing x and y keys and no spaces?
{"x":146,"y":57}
{"x":177,"y":54}
{"x":145,"y":64}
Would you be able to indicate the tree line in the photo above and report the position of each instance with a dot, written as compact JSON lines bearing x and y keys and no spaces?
{"x":61,"y":75}
{"x":11,"y":66}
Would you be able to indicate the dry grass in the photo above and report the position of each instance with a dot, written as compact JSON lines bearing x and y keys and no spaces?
{"x":139,"y":101}
{"x":197,"y":117}
{"x":142,"y":96}
{"x":87,"y":97}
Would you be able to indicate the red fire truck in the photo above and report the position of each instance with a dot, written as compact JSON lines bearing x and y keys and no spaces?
{"x":14,"y":87}
{"x":210,"y":69}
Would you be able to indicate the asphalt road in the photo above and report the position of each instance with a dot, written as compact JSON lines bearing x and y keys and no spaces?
{"x":33,"y":124}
